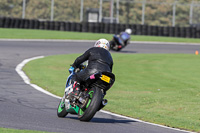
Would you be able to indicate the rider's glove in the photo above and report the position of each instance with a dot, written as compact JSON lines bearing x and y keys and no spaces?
{"x":71,"y":69}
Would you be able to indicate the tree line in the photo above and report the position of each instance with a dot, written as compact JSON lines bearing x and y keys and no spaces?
{"x":157,"y":12}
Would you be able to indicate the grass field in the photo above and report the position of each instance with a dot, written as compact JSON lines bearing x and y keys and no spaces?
{"x":47,"y":34}
{"x":6,"y":130}
{"x":159,"y":88}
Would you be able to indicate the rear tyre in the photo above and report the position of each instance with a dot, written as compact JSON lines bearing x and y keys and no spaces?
{"x":93,"y":105}
{"x":61,"y":111}
{"x":118,"y":49}
{"x":114,"y":46}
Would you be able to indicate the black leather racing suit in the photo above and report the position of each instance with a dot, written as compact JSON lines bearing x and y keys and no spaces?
{"x":99,"y":60}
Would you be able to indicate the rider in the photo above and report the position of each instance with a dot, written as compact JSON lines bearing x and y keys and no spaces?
{"x":99,"y":60}
{"x":124,"y":37}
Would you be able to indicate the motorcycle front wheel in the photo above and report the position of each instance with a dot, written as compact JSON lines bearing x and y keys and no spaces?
{"x":95,"y":99}
{"x":112,"y":43}
{"x":61,"y":111}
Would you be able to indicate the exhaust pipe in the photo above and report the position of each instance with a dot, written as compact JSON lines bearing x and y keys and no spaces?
{"x":104,"y":102}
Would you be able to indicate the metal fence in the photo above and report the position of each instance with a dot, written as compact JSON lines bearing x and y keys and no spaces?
{"x":146,"y":12}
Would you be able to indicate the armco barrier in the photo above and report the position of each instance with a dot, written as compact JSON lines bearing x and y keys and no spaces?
{"x":1,"y":22}
{"x":189,"y":32}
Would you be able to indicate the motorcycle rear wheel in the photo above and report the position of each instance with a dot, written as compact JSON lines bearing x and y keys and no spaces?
{"x":92,"y":105}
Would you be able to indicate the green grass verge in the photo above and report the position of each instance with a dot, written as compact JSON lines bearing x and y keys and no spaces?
{"x":6,"y":130}
{"x":159,"y":88}
{"x":47,"y":34}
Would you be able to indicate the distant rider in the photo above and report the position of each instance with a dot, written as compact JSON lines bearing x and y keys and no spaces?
{"x":121,"y":40}
{"x":125,"y":37}
{"x":99,"y":60}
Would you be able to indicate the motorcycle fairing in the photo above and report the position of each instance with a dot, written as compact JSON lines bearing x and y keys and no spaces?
{"x":73,"y":110}
{"x":118,"y":40}
{"x":125,"y":36}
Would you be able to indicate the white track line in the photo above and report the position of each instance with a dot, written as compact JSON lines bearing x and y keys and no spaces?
{"x":46,"y":40}
{"x":27,"y":81}
{"x":134,"y":42}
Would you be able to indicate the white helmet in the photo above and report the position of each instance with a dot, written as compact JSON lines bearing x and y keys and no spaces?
{"x":103,"y":43}
{"x":129,"y":31}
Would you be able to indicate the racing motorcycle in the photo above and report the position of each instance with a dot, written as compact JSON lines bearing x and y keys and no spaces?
{"x":91,"y":97}
{"x":119,"y":42}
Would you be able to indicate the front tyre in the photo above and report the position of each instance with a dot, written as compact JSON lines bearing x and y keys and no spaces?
{"x":61,"y":111}
{"x":92,"y":106}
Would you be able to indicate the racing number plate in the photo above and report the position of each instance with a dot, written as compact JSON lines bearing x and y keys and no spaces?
{"x":105,"y":78}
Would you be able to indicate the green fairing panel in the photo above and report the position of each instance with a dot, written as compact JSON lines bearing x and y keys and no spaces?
{"x":73,"y":110}
{"x":60,"y":108}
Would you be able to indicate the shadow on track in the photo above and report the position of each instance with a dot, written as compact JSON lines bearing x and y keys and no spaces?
{"x":123,"y":51}
{"x":105,"y":120}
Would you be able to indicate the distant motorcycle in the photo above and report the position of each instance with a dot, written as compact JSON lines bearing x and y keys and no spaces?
{"x":120,"y":41}
{"x":90,"y":99}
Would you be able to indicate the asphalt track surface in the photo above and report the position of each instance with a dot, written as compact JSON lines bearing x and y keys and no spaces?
{"x":23,"y":107}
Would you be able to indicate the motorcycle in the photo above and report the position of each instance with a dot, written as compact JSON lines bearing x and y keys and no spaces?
{"x":91,"y":97}
{"x":119,"y":42}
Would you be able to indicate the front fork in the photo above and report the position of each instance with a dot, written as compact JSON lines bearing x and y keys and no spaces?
{"x":65,"y":98}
